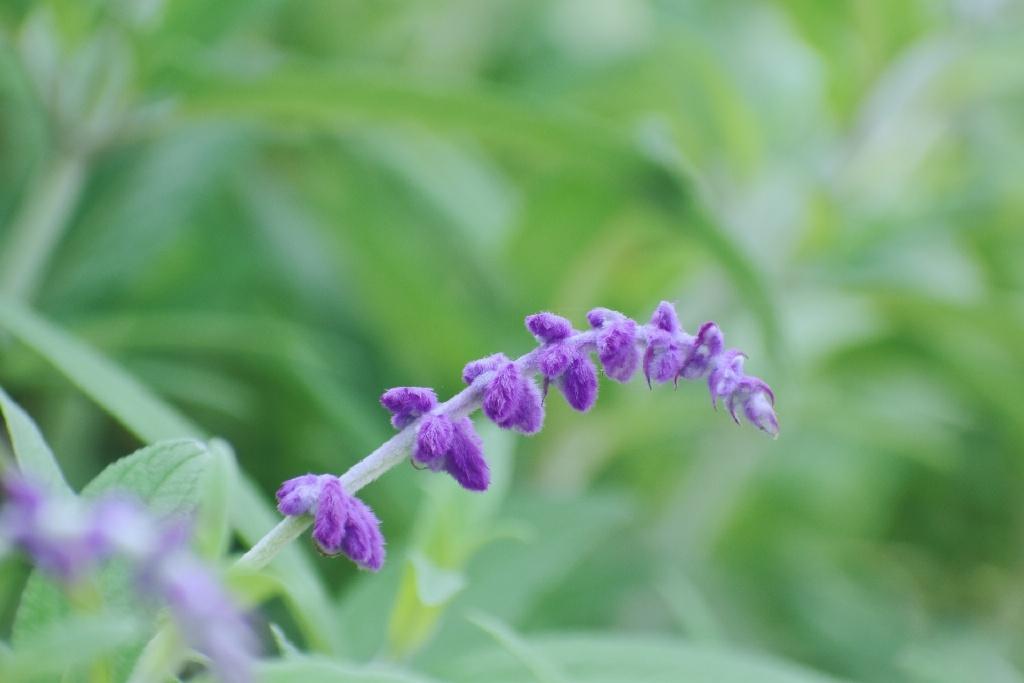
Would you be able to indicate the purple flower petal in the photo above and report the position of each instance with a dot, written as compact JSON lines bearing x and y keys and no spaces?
{"x":665,"y":317}
{"x":331,"y":515}
{"x":434,"y":439}
{"x":466,"y":459}
{"x":476,"y":368}
{"x":363,"y":542}
{"x":298,"y":496}
{"x":706,"y":346}
{"x":579,"y":383}
{"x":408,"y":403}
{"x":548,"y":327}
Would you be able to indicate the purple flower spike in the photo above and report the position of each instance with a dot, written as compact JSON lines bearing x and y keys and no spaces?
{"x":665,"y":318}
{"x":434,"y":440}
{"x":706,"y":346}
{"x":663,"y":359}
{"x":362,"y":542}
{"x":465,"y":461}
{"x":616,"y":343}
{"x":408,"y":403}
{"x":331,"y":515}
{"x":476,"y":368}
{"x":298,"y":496}
{"x":548,"y":327}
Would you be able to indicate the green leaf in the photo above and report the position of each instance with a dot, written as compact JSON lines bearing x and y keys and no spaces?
{"x":35,"y":459}
{"x":613,"y":659}
{"x":213,"y":527}
{"x":72,"y":643}
{"x":313,"y":670}
{"x":541,"y":668}
{"x":168,"y":477}
{"x":116,"y":391}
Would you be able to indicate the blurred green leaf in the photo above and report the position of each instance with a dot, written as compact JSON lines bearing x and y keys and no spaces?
{"x":119,"y":393}
{"x":220,"y":479}
{"x":311,"y":670}
{"x":610,"y":658}
{"x":35,"y":459}
{"x":73,"y":643}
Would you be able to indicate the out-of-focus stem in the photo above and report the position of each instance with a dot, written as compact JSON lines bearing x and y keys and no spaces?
{"x":39,"y":225}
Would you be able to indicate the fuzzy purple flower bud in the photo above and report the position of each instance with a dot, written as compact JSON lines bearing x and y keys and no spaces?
{"x":579,"y":383}
{"x":465,"y":461}
{"x":554,"y":359}
{"x":476,"y":368}
{"x":758,"y":404}
{"x":341,"y":522}
{"x":433,"y":440}
{"x":298,"y":496}
{"x":363,"y":542}
{"x":331,"y":514}
{"x":616,"y":343}
{"x":408,"y":403}
{"x":726,"y":375}
{"x":665,"y":318}
{"x":664,"y":357}
{"x":706,"y":346}
{"x":548,"y":327}
{"x":513,"y":401}
{"x":452,"y":446}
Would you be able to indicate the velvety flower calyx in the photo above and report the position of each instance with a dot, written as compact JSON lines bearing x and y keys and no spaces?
{"x":616,"y":343}
{"x":704,"y":348}
{"x":406,"y":404}
{"x":342,"y":524}
{"x":513,"y":400}
{"x":562,"y":362}
{"x":453,"y":446}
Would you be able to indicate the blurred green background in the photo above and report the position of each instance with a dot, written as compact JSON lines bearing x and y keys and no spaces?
{"x":270,"y":211}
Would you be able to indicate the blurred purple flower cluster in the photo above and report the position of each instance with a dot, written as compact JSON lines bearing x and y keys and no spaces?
{"x":69,"y":539}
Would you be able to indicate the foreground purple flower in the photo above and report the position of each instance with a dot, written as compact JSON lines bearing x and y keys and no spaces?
{"x":69,"y":538}
{"x":443,"y":436}
{"x":342,"y":523}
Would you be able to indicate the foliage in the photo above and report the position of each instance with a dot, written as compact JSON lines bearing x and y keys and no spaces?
{"x":249,"y":218}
